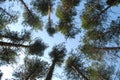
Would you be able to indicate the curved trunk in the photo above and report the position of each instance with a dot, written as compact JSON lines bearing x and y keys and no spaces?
{"x":76,"y":69}
{"x":50,"y":72}
{"x":13,"y":45}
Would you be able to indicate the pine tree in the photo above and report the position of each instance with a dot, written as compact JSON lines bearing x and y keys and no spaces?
{"x":57,"y":54}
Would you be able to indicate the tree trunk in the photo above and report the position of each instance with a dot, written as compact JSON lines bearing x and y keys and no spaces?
{"x":5,"y":36}
{"x":30,"y":13}
{"x":3,"y":11}
{"x":107,"y":48}
{"x":103,"y":11}
{"x":13,"y":45}
{"x":76,"y":69}
{"x":30,"y":74}
{"x":50,"y":72}
{"x":49,"y":9}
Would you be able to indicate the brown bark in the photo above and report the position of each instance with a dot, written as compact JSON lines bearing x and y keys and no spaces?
{"x":50,"y":72}
{"x":49,"y":9}
{"x":76,"y":69}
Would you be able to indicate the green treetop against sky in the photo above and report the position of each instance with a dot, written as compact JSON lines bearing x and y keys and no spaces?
{"x":59,"y":39}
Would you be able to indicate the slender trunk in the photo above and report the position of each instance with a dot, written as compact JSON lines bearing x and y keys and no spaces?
{"x":107,"y":48}
{"x":5,"y":36}
{"x":30,"y":13}
{"x":103,"y":11}
{"x":76,"y":69}
{"x":50,"y":72}
{"x":107,"y":8}
{"x":98,"y":16}
{"x":13,"y":45}
{"x":49,"y":9}
{"x":30,"y":74}
{"x":6,"y":12}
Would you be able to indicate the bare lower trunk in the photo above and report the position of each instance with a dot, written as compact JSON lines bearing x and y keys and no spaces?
{"x":50,"y":72}
{"x":49,"y":9}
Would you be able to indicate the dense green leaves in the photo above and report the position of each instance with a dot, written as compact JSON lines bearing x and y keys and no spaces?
{"x":33,"y":68}
{"x":6,"y":18}
{"x":102,"y":72}
{"x":66,"y":18}
{"x":50,"y":29}
{"x":33,"y":21}
{"x":113,"y":2}
{"x":37,"y":47}
{"x":91,"y":16}
{"x":14,"y":36}
{"x":42,"y":6}
{"x":58,"y":53}
{"x":70,"y":4}
{"x":75,"y":68}
{"x":7,"y":55}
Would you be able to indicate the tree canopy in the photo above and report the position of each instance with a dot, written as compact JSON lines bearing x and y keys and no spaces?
{"x":60,"y":39}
